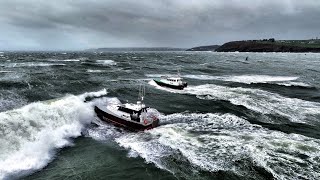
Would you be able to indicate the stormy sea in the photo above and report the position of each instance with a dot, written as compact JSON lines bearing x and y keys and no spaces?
{"x":238,"y":119}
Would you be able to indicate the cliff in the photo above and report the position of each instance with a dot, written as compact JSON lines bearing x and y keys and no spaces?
{"x":271,"y":46}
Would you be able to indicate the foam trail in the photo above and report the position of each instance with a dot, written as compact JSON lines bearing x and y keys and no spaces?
{"x":214,"y":142}
{"x":247,"y":79}
{"x":296,"y":110}
{"x":264,"y":102}
{"x":30,"y":135}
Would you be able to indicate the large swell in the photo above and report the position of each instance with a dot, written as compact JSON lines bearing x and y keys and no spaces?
{"x":31,"y":134}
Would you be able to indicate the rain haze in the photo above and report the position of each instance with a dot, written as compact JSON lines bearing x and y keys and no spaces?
{"x":82,"y":24}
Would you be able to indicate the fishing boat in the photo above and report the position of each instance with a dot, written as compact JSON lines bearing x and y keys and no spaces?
{"x":135,"y":117}
{"x":174,"y":82}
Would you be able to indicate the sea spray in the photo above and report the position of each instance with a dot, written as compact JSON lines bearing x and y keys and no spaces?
{"x":30,"y":135}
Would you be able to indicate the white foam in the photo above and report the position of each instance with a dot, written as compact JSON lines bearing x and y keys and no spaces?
{"x":30,"y":135}
{"x":34,"y":64}
{"x":10,"y":99}
{"x":202,"y":77}
{"x":259,"y":78}
{"x":216,"y":142}
{"x":94,"y":71}
{"x":93,"y":94}
{"x":64,"y":60}
{"x":6,"y":71}
{"x":301,"y":84}
{"x":106,"y":62}
{"x":157,"y":75}
{"x":14,"y":76}
{"x":247,"y":79}
{"x":296,"y":110}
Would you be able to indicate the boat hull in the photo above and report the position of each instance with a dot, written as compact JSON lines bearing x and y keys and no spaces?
{"x":104,"y":116}
{"x":181,"y":87}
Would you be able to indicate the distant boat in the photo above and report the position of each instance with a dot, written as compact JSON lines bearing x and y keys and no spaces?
{"x":135,"y":117}
{"x":174,"y":82}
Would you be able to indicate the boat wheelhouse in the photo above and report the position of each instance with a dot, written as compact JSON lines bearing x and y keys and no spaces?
{"x":131,"y":116}
{"x":174,"y":82}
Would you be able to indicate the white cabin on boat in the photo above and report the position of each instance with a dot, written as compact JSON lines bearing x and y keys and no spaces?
{"x":176,"y":81}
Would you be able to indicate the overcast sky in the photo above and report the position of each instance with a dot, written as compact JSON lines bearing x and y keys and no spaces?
{"x":82,"y":24}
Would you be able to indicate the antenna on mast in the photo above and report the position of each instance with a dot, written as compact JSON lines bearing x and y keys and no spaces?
{"x":178,"y":72}
{"x":142,"y":92}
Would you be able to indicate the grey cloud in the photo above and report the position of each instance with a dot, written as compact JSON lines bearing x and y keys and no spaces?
{"x":68,"y":24}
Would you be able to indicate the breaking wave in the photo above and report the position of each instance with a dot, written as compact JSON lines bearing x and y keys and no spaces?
{"x":29,"y":136}
{"x":214,"y":142}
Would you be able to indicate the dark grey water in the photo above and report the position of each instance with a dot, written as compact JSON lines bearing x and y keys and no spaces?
{"x":238,"y":119}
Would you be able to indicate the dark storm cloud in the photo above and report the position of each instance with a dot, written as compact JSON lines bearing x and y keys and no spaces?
{"x":70,"y":24}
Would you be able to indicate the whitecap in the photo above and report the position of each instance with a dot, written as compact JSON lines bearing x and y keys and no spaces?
{"x":64,"y":60}
{"x":106,"y":62}
{"x":94,"y":71}
{"x":33,"y":64}
{"x":6,"y":71}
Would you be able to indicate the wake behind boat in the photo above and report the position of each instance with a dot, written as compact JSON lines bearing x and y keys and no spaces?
{"x":136,"y":117}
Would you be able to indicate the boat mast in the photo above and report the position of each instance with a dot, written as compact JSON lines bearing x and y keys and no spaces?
{"x":142,"y":92}
{"x":179,"y":75}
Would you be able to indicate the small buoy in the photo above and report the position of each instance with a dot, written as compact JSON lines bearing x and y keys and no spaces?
{"x":145,"y":121}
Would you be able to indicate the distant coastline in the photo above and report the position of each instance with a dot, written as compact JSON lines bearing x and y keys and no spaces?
{"x":264,"y":45}
{"x":136,"y":49}
{"x":271,"y":45}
